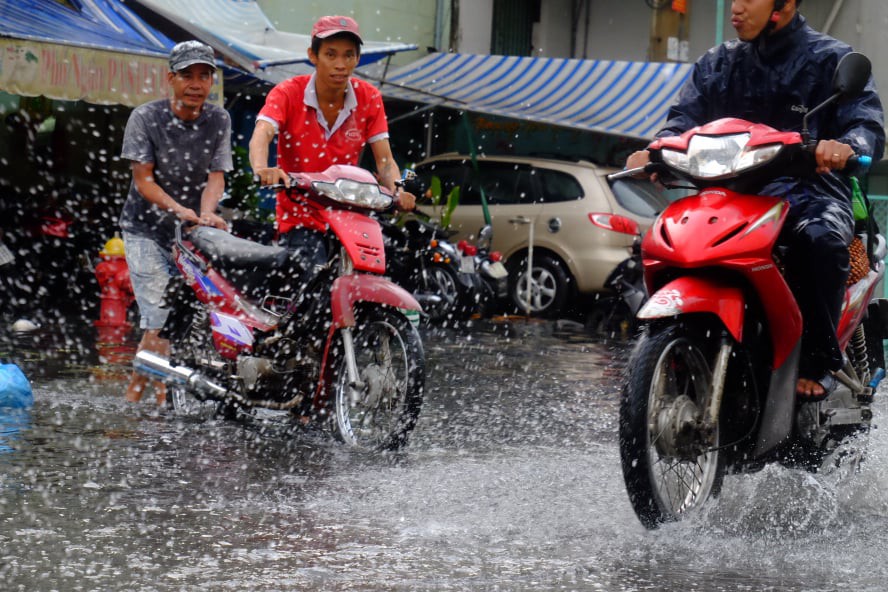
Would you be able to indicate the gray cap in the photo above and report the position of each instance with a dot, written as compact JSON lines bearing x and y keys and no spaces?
{"x":189,"y":53}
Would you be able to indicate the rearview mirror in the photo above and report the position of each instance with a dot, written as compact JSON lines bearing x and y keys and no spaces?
{"x":850,"y":78}
{"x":852,"y":74}
{"x":485,"y":235}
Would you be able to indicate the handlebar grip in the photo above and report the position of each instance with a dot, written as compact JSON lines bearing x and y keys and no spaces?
{"x":858,"y":163}
{"x":864,"y":161}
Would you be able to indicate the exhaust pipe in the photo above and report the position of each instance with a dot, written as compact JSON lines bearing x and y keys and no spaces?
{"x":424,"y":299}
{"x":159,"y":368}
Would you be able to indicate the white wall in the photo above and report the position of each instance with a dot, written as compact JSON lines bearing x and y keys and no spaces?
{"x":551,"y":36}
{"x":475,"y":26}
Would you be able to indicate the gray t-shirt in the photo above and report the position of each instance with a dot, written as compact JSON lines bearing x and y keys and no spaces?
{"x":183,"y":153}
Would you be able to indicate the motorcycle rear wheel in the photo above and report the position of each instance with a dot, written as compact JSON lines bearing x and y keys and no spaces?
{"x":195,"y":346}
{"x":669,"y":469}
{"x":391,"y":365}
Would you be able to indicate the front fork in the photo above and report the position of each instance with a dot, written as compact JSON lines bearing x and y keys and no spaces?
{"x":347,"y":267}
{"x":717,"y":390}
{"x":351,"y":363}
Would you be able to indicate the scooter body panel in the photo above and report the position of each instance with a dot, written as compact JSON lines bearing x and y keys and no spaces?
{"x":729,"y":237}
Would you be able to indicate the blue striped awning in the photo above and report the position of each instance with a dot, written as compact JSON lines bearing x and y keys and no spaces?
{"x":97,"y":24}
{"x":91,"y":50}
{"x":614,"y":97}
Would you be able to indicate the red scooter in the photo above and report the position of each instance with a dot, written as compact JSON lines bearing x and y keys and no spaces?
{"x":711,"y":383}
{"x":343,"y":347}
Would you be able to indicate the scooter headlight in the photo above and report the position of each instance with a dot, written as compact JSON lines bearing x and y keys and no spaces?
{"x":354,"y":193}
{"x":715,"y":157}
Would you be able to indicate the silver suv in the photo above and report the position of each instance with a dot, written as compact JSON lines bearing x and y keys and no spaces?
{"x":582,"y":226}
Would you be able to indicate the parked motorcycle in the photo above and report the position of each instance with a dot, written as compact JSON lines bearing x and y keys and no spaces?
{"x":491,"y":276}
{"x":711,"y":383}
{"x":341,"y":349}
{"x":47,"y":255}
{"x":421,"y":259}
{"x":614,"y":315}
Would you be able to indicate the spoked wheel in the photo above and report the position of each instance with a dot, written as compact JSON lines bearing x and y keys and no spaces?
{"x":194,"y":349}
{"x":443,"y":283}
{"x":670,"y":466}
{"x":380,"y":412}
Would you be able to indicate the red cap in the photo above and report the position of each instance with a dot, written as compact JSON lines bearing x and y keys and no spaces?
{"x":330,"y":25}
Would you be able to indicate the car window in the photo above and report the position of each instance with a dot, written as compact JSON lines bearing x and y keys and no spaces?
{"x":503,"y":184}
{"x":559,"y":186}
{"x":449,"y":175}
{"x":644,"y":198}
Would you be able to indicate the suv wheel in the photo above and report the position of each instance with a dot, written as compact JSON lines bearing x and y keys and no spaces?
{"x":549,"y":285}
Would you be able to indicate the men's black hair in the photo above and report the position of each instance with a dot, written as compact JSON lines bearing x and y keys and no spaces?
{"x":316,"y":41}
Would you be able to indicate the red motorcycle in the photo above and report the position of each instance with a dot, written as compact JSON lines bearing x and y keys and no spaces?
{"x":711,"y":383}
{"x":343,"y":348}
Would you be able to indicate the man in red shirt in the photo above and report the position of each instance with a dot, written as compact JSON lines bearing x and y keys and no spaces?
{"x":322,"y":119}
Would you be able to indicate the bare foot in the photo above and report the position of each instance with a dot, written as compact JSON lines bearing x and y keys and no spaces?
{"x":135,"y":388}
{"x":809,"y":388}
{"x":160,"y":393}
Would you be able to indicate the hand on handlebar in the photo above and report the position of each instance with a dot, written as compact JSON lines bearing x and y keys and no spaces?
{"x":271,"y":176}
{"x":639,"y":159}
{"x":214,"y":220}
{"x":188,"y":215}
{"x":832,"y":155}
{"x":405,"y":201}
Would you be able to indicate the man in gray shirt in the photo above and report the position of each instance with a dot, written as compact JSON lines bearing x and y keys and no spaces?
{"x":180,"y":149}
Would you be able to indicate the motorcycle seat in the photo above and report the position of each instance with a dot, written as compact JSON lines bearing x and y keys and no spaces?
{"x":230,"y":251}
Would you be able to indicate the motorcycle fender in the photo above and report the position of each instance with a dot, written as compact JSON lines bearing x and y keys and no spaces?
{"x":350,"y":289}
{"x":776,"y":424}
{"x":698,"y":294}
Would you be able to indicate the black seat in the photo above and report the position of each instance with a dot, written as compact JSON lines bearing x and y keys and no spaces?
{"x":230,"y":251}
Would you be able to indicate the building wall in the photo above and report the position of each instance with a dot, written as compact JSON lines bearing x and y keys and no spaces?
{"x":475,"y":26}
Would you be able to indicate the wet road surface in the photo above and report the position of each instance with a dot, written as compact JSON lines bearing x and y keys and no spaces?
{"x":511,"y":481}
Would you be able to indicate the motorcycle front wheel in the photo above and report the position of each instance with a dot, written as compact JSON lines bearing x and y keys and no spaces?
{"x":380,"y":412}
{"x":669,"y":467}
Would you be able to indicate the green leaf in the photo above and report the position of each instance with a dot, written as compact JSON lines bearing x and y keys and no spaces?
{"x":452,"y":202}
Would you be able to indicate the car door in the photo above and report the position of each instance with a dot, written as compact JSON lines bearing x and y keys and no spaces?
{"x":512,"y":198}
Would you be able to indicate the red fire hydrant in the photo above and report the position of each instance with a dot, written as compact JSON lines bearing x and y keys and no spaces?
{"x":117,"y":292}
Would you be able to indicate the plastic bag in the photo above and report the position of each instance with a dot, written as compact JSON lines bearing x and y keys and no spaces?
{"x":15,"y":390}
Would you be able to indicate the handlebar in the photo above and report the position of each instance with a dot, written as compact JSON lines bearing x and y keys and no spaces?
{"x":858,"y":162}
{"x":637,"y":172}
{"x":853,"y":164}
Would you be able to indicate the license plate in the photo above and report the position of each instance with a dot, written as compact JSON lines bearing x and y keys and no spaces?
{"x":497,"y":270}
{"x":467,"y":265}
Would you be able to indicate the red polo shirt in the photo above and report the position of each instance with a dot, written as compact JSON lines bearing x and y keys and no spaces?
{"x":306,"y":144}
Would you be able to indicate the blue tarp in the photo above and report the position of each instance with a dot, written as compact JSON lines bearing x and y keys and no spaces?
{"x":95,"y":24}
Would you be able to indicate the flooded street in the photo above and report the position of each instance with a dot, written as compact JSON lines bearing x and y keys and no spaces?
{"x":511,"y":481}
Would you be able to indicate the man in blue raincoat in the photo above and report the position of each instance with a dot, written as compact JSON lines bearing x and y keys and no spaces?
{"x":774,"y":73}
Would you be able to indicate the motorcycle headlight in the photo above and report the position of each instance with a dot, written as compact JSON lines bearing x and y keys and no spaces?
{"x":714,"y":157}
{"x":354,"y":193}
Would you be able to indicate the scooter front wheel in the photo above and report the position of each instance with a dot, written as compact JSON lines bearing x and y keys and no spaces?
{"x":669,"y":465}
{"x":381,"y":410}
